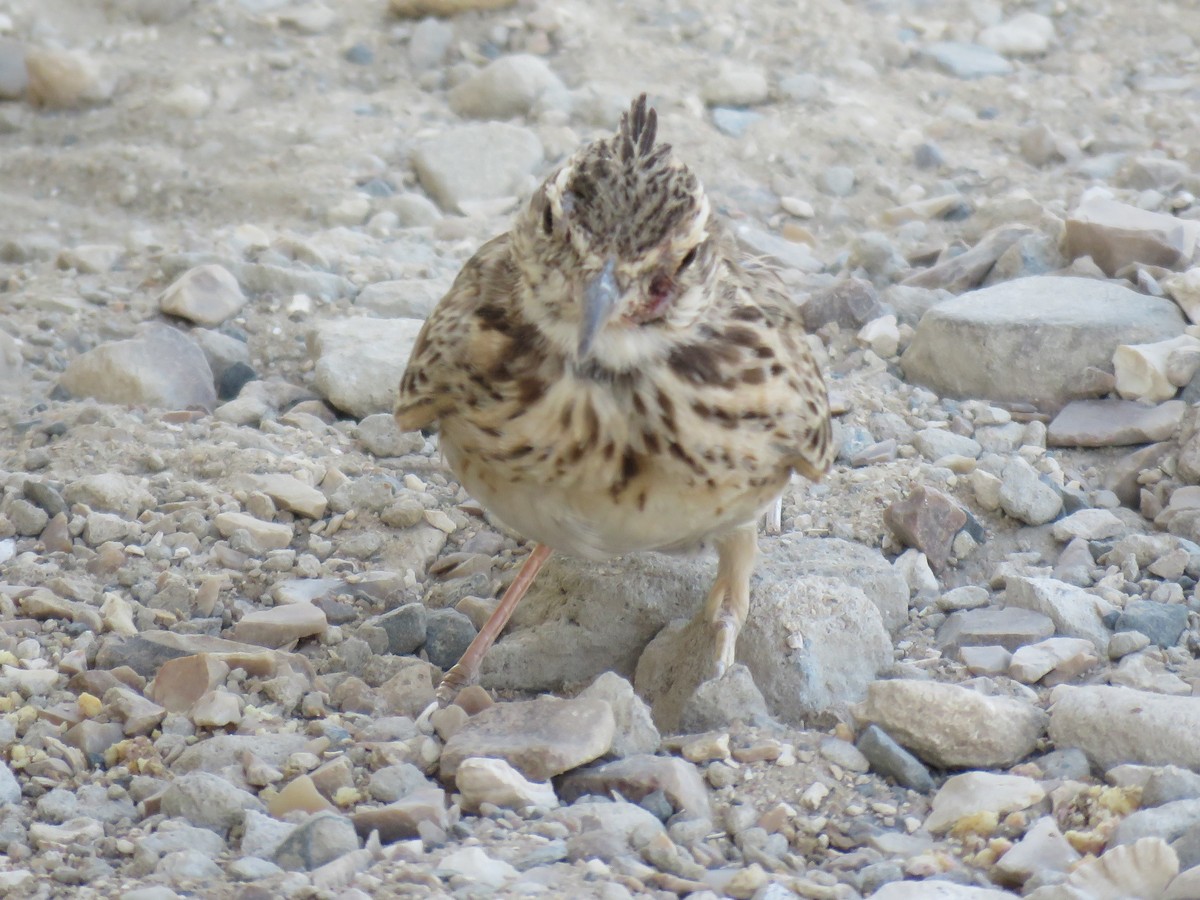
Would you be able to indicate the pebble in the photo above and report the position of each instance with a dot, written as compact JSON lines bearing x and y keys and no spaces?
{"x":160,"y":368}
{"x":408,"y":817}
{"x":974,"y":793}
{"x":416,"y":9}
{"x":953,"y":726}
{"x":506,"y":87}
{"x":1009,"y":628}
{"x":1162,"y":623}
{"x":263,"y":536}
{"x":635,"y":730}
{"x":206,"y":295}
{"x":474,"y":864}
{"x":63,"y":79}
{"x":208,"y":801}
{"x":636,"y":777}
{"x":448,"y":633}
{"x":1056,"y":659}
{"x":1089,"y":524}
{"x":888,"y":758}
{"x":467,"y":165}
{"x":1024,"y":496}
{"x":927,"y":520}
{"x":541,"y":738}
{"x":1042,"y":850}
{"x":1025,"y":34}
{"x":1074,"y":611}
{"x":495,"y":781}
{"x":736,"y":84}
{"x":358,"y":362}
{"x":1114,"y":423}
{"x":1116,"y":235}
{"x":317,"y":840}
{"x":964,"y":60}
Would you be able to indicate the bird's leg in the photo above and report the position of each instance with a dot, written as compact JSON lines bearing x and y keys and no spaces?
{"x":466,"y":670}
{"x":729,"y":600}
{"x":772,"y":519}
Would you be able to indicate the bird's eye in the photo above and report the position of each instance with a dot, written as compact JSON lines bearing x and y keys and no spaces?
{"x":687,"y":260}
{"x":548,"y":220}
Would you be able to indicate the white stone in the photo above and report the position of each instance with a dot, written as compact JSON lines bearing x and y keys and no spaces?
{"x":359,"y":362}
{"x":506,"y":87}
{"x":495,"y":781}
{"x":473,"y":863}
{"x":736,"y":84}
{"x":882,"y":335}
{"x":1064,"y":656}
{"x":1155,"y":372}
{"x":1042,"y":849}
{"x":1115,"y":725}
{"x":477,"y":162}
{"x":1074,"y":611}
{"x":1089,"y":524}
{"x":1025,"y":34}
{"x":976,"y":792}
{"x":266,"y":535}
{"x":206,"y":295}
{"x":1024,"y":496}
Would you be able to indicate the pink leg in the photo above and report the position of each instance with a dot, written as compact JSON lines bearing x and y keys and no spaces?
{"x":466,"y":670}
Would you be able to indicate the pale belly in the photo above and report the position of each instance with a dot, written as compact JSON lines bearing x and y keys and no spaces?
{"x":667,"y":509}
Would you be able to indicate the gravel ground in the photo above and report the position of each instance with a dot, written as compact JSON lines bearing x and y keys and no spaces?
{"x":228,"y":584}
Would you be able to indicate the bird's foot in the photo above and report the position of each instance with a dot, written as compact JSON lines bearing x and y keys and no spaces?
{"x":725,"y":634}
{"x":452,"y":682}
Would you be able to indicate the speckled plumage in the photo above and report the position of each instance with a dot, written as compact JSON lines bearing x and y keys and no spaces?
{"x":679,"y":421}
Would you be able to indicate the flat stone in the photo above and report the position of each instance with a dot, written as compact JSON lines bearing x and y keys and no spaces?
{"x":953,"y":726}
{"x":402,"y":819}
{"x":413,"y":298}
{"x":139,"y":715}
{"x":1115,"y":725}
{"x":964,"y":347}
{"x":1009,"y":628}
{"x":967,"y":61}
{"x":291,"y":493}
{"x":379,"y":434}
{"x":1089,"y":524}
{"x":1074,"y":611}
{"x":718,"y":702}
{"x":959,"y":273}
{"x":930,"y":889}
{"x":215,"y":753}
{"x":265,"y":535}
{"x":476,"y":163}
{"x":736,"y":84}
{"x":419,"y":9}
{"x":1025,"y":34}
{"x":980,"y":792}
{"x":927,"y":520}
{"x":280,"y":626}
{"x":1062,"y":658}
{"x":1114,"y":423}
{"x":160,"y":368}
{"x":1042,"y":849}
{"x":987,"y":660}
{"x":541,"y":738}
{"x":359,"y":362}
{"x":206,"y":295}
{"x":1167,"y":821}
{"x":1116,"y":235}
{"x":635,"y":777}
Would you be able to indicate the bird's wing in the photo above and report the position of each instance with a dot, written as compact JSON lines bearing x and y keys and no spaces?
{"x":461,"y":340}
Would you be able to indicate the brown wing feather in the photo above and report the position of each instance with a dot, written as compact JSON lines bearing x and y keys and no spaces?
{"x":455,"y":342}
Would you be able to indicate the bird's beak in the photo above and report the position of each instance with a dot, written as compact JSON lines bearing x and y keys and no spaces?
{"x":599,"y":300}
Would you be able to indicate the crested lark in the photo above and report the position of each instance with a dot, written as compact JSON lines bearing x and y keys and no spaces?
{"x":613,"y":375}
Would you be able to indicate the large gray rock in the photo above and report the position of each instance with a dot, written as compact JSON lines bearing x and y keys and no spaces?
{"x":568,"y":630}
{"x":161,"y":367}
{"x":1029,"y":340}
{"x":208,"y":801}
{"x":359,"y":362}
{"x":1115,"y":725}
{"x":478,"y":162}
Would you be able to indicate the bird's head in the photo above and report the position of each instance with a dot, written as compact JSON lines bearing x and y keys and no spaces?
{"x":617,"y":248}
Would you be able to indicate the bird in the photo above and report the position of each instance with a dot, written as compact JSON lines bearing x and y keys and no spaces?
{"x":613,"y":375}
